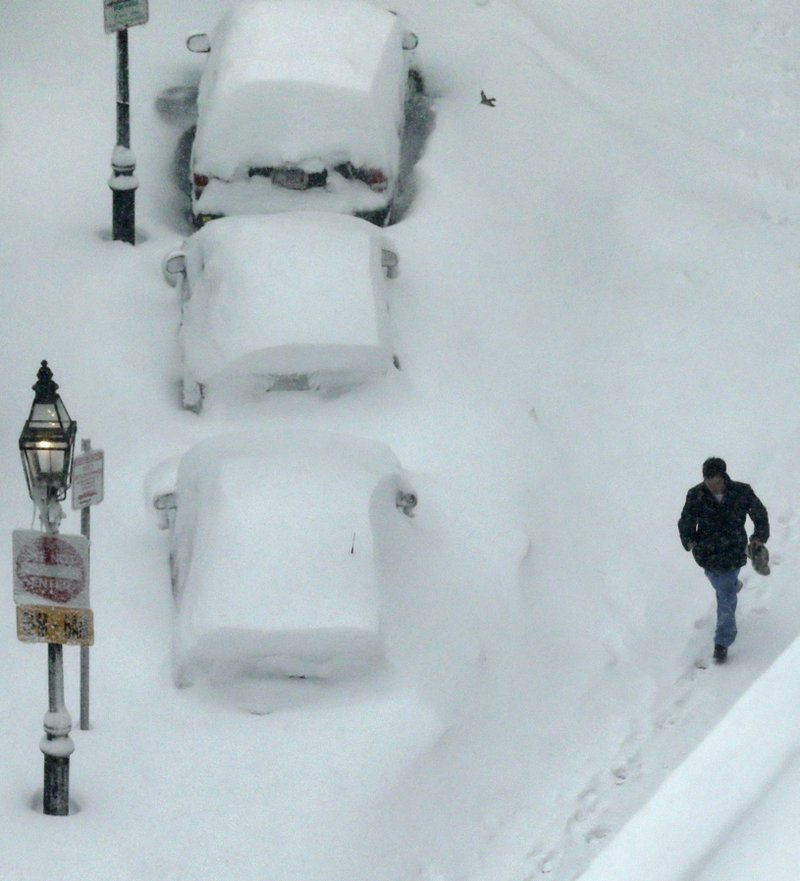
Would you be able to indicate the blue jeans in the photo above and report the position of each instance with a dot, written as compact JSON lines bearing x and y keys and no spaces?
{"x":724,"y":584}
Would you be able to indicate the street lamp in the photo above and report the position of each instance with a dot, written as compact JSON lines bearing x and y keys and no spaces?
{"x":46,"y":445}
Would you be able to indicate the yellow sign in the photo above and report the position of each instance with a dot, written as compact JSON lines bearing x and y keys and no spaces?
{"x":55,"y":624}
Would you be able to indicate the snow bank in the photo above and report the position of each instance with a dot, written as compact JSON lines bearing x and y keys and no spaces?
{"x":273,"y":552}
{"x":301,"y":293}
{"x":340,"y":98}
{"x":719,"y":782}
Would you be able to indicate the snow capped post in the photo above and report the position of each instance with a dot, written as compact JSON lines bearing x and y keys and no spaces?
{"x":119,"y":15}
{"x":51,"y":574}
{"x":87,"y":490}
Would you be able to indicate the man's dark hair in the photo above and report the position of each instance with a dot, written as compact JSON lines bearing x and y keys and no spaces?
{"x":714,"y":467}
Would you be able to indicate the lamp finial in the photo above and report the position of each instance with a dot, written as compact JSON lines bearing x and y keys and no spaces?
{"x":45,"y":388}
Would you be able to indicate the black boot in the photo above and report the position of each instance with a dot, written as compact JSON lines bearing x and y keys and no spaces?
{"x":720,"y":654}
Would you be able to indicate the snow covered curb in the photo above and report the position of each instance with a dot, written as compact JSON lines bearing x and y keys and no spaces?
{"x":718,"y":783}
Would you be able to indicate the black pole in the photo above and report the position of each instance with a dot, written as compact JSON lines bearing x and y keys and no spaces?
{"x":86,"y":531}
{"x":123,"y":91}
{"x":123,"y":181}
{"x":56,"y":745}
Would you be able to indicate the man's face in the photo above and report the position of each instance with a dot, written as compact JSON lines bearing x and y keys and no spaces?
{"x":715,"y":484}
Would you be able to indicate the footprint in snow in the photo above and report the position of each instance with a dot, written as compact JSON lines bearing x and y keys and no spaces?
{"x":597,"y":834}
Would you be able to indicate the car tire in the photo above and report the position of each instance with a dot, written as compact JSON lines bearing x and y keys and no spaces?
{"x":193,"y":393}
{"x":416,"y":83}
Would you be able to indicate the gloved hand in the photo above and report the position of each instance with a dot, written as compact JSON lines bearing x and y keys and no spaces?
{"x":759,"y":556}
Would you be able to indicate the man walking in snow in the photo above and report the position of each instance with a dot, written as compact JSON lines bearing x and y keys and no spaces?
{"x":712,"y":527}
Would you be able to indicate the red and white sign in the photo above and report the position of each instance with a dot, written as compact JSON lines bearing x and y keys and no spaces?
{"x":87,"y":479}
{"x":51,"y":569}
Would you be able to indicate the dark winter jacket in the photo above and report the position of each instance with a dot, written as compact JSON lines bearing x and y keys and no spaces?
{"x":717,"y":528}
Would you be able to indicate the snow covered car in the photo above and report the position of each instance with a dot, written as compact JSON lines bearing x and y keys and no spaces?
{"x":285,"y":301}
{"x":273,"y":543}
{"x":301,"y":105}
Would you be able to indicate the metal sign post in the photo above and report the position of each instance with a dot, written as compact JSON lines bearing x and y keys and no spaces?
{"x":87,"y":490}
{"x":119,"y":15}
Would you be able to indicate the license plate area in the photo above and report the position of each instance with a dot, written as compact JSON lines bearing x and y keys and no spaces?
{"x":290,"y":178}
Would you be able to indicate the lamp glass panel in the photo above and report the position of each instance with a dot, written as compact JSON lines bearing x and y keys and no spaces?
{"x":46,"y":462}
{"x":48,"y":415}
{"x":62,"y":412}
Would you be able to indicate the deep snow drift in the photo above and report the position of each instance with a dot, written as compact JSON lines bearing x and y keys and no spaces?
{"x":598,"y":290}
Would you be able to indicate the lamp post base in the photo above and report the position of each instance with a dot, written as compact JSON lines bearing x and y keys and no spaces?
{"x":56,"y":786}
{"x":56,"y":744}
{"x":123,"y":185}
{"x":123,"y":216}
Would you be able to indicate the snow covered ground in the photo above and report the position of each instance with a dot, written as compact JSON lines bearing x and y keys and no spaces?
{"x":598,"y":289}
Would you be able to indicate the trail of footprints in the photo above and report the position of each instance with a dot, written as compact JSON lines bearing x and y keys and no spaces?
{"x":585,"y":829}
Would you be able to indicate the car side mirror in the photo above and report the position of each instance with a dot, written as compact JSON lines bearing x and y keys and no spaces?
{"x":410,"y":40}
{"x":173,"y":266}
{"x":406,"y":502}
{"x":166,"y":504}
{"x":389,"y":261}
{"x":165,"y":501}
{"x":198,"y":42}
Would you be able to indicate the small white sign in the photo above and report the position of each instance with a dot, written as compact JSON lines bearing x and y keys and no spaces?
{"x":121,"y":14}
{"x":50,"y":570}
{"x":87,"y":479}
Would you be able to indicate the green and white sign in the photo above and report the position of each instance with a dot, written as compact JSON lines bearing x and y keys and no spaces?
{"x":121,"y":14}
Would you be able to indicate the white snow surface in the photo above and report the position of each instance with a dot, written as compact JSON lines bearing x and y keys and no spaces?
{"x":294,"y":82}
{"x":295,"y":293}
{"x":706,"y":803}
{"x":599,"y":290}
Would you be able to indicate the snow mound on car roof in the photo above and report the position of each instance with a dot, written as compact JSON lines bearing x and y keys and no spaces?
{"x":302,"y":292}
{"x":296,"y":81}
{"x":275,"y":550}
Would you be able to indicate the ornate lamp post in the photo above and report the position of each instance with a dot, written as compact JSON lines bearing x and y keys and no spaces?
{"x":46,"y":445}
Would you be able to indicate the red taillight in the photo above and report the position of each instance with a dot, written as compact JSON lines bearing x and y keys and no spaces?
{"x":200,"y":182}
{"x":377,"y":180}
